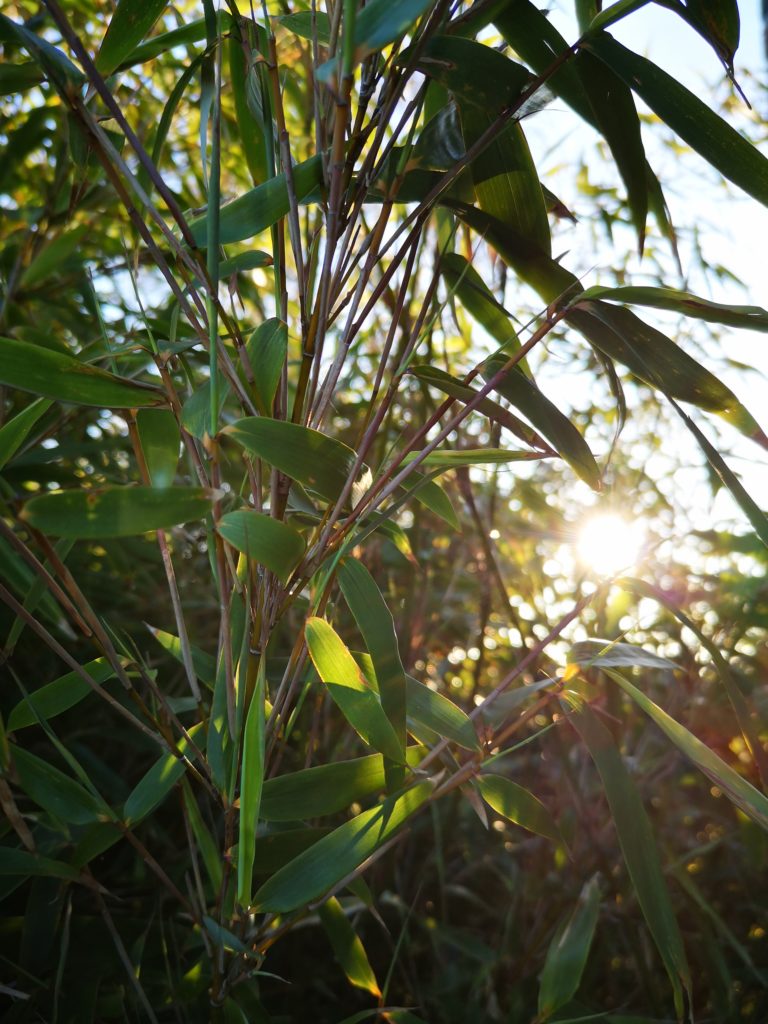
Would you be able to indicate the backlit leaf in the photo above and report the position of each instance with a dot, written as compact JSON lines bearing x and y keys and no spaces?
{"x":160,"y":437}
{"x":518,"y":805}
{"x":347,"y":947}
{"x":14,"y":433}
{"x":263,"y":539}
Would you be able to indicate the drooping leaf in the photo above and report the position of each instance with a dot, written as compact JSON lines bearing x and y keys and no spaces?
{"x":753,"y":318}
{"x":478,"y":299}
{"x":337,"y":855}
{"x":263,"y":206}
{"x":116,"y":511}
{"x":59,"y":696}
{"x":327,"y":788}
{"x":317,"y":461}
{"x":267,"y":348}
{"x":131,"y":21}
{"x":718,"y":22}
{"x":155,"y":785}
{"x":356,"y":699}
{"x":160,"y":438}
{"x":547,"y":418}
{"x":56,"y":792}
{"x":610,"y":654}
{"x":64,"y":378}
{"x":441,"y":715}
{"x":568,"y":952}
{"x":14,"y":433}
{"x":714,"y":139}
{"x":740,"y":792}
{"x":263,"y":539}
{"x":375,"y":622}
{"x":347,"y":947}
{"x":451,"y":458}
{"x":252,"y":781}
{"x":638,"y":846}
{"x":518,"y":805}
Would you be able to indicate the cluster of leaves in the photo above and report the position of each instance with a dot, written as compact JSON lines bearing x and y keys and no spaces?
{"x":263,"y":672}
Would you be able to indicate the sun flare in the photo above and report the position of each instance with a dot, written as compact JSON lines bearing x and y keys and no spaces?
{"x":609,"y":544}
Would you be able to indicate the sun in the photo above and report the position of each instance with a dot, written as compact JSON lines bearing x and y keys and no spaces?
{"x":609,"y":544}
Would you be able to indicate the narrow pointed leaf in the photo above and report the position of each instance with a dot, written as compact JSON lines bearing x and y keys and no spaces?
{"x":263,"y":539}
{"x":267,"y":349}
{"x":478,"y":299}
{"x":568,"y":952}
{"x":347,"y":947}
{"x":337,"y":855}
{"x":116,"y":511}
{"x":328,"y":788}
{"x":479,"y":75}
{"x":204,"y":664}
{"x":56,"y":792}
{"x":131,"y":21}
{"x":59,"y":696}
{"x":357,"y":700}
{"x":381,"y":22}
{"x":546,"y":417}
{"x":712,"y":138}
{"x":441,"y":715}
{"x":64,"y":378}
{"x":740,"y":792}
{"x":517,"y":805}
{"x":150,"y":791}
{"x":28,"y":865}
{"x":753,"y":318}
{"x":308,"y":24}
{"x":638,"y":846}
{"x":609,"y":654}
{"x":160,"y":438}
{"x":431,"y":495}
{"x":53,"y":256}
{"x":14,"y":433}
{"x":252,"y":781}
{"x":455,"y":457}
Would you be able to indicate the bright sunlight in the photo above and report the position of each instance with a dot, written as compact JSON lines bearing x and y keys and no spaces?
{"x":608,"y":544}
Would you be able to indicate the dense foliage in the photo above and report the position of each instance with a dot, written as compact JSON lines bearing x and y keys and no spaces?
{"x":307,"y":381}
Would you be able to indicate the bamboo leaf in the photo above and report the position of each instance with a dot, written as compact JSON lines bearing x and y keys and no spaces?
{"x":14,"y":433}
{"x":53,"y":256}
{"x":204,"y":664}
{"x":568,"y":952}
{"x":714,"y":139}
{"x":337,"y":855}
{"x":160,"y":437}
{"x":356,"y":699}
{"x":517,"y":805}
{"x":638,"y":846}
{"x":59,"y":696}
{"x":131,"y":21}
{"x":451,"y":458}
{"x":56,"y":792}
{"x":28,"y":865}
{"x":347,"y":947}
{"x":263,"y":206}
{"x":546,"y":417}
{"x":328,"y":788}
{"x":375,"y":622}
{"x":267,"y":349}
{"x":308,"y":24}
{"x":116,"y":511}
{"x":263,"y":539}
{"x":478,"y":299}
{"x":381,"y":22}
{"x":155,"y":785}
{"x":64,"y":378}
{"x":252,"y":781}
{"x":740,"y":792}
{"x":317,"y":461}
{"x":610,"y":654}
{"x":753,"y":318}
{"x":430,"y":494}
{"x":441,"y":715}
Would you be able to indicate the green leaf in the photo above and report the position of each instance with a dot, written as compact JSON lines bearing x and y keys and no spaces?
{"x":155,"y":785}
{"x":431,"y":495}
{"x":56,"y":792}
{"x":718,"y":22}
{"x":357,"y":700}
{"x":478,"y":299}
{"x":263,"y":206}
{"x":307,"y":24}
{"x":64,"y":378}
{"x":205,"y":841}
{"x":196,"y":412}
{"x":53,"y":255}
{"x":243,"y":73}
{"x":131,"y":21}
{"x":497,"y":413}
{"x":638,"y":846}
{"x":715,"y":140}
{"x":740,"y":792}
{"x":546,"y":417}
{"x":441,"y":715}
{"x":251,"y":783}
{"x":59,"y":696}
{"x":337,"y":855}
{"x":116,"y":511}
{"x":610,"y":654}
{"x":381,"y":22}
{"x":263,"y":539}
{"x":274,"y":849}
{"x":375,"y":622}
{"x":518,"y":805}
{"x":160,"y":437}
{"x":15,"y":432}
{"x":347,"y":947}
{"x":568,"y":952}
{"x":451,"y":458}
{"x":315,"y":460}
{"x":28,"y":865}
{"x":204,"y":664}
{"x":267,"y":349}
{"x":328,"y":788}
{"x":753,"y":318}
{"x":662,"y":364}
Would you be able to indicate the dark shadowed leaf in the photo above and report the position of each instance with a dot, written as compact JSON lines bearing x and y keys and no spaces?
{"x":568,"y":952}
{"x":59,"y":696}
{"x":753,"y":318}
{"x":56,"y":792}
{"x":150,"y":791}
